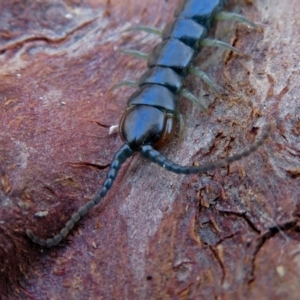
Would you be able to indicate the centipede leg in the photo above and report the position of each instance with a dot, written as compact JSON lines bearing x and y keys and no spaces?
{"x":203,"y":76}
{"x":234,"y":17}
{"x":130,"y":83}
{"x":135,"y":53}
{"x":181,"y":127}
{"x":148,"y":29}
{"x":219,"y":44}
{"x":188,"y":95}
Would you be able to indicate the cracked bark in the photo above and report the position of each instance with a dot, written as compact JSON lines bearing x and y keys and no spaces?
{"x":227,"y":234}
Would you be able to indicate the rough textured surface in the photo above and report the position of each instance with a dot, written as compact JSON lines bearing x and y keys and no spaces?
{"x":228,"y":234}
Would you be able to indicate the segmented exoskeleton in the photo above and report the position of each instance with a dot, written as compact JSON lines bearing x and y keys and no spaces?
{"x":149,"y":120}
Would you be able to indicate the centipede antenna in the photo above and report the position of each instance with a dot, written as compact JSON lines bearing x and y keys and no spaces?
{"x":203,"y":76}
{"x":135,"y":53}
{"x":234,"y":17}
{"x":188,"y":95}
{"x":119,"y":158}
{"x":124,"y":83}
{"x":148,"y":29}
{"x":219,"y":44}
{"x":156,"y":157}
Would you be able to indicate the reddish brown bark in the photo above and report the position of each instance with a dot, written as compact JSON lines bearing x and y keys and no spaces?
{"x":227,"y":234}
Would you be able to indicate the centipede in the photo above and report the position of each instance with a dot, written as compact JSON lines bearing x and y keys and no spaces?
{"x":151,"y":116}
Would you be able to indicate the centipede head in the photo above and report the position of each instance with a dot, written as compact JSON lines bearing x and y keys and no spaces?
{"x":146,"y":125}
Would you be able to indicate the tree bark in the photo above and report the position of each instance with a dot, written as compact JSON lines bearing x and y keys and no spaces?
{"x":227,"y":234}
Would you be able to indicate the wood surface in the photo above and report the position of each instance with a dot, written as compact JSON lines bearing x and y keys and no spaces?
{"x":228,"y":234}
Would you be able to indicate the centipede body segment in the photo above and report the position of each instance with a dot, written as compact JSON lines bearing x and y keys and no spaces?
{"x":151,"y":115}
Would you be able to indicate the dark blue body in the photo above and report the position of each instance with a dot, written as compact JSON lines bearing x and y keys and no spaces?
{"x":168,"y":65}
